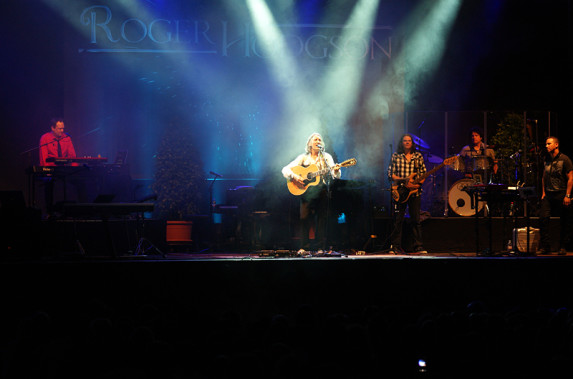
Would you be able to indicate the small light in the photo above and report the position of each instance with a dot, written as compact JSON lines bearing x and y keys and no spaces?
{"x":422,"y":365}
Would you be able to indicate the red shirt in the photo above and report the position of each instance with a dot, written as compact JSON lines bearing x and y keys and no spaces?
{"x":49,"y":148}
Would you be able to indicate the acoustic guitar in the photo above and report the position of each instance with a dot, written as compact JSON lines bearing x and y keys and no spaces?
{"x":311,"y":175}
{"x":401,"y":193}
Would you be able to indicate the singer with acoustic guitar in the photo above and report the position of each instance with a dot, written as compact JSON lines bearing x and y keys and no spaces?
{"x":407,"y":163}
{"x":313,"y":196}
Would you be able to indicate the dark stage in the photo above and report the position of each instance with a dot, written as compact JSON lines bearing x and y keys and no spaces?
{"x":214,"y":315}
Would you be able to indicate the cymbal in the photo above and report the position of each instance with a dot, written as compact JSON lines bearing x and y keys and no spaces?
{"x":434,"y":159}
{"x":420,"y":142}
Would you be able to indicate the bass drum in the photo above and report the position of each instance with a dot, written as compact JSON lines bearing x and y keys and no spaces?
{"x":460,"y":201}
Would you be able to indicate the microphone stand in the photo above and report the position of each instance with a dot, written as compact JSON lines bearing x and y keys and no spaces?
{"x":328,"y":196}
{"x":211,"y":207}
{"x":47,"y":143}
{"x":213,"y":233}
{"x":393,"y":208}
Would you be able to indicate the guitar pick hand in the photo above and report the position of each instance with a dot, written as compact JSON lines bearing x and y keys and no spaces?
{"x":298,"y":180}
{"x":412,"y":185}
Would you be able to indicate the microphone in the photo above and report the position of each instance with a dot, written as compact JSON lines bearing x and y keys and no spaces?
{"x":320,"y":146}
{"x":515,"y":155}
{"x":214,"y":173}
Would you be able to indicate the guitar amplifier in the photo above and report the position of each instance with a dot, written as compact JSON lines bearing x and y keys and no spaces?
{"x":520,"y":239}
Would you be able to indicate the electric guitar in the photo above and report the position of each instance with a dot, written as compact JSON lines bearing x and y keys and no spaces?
{"x":311,"y":175}
{"x":401,"y":193}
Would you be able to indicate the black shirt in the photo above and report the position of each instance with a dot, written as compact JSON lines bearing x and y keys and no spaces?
{"x":555,"y":172}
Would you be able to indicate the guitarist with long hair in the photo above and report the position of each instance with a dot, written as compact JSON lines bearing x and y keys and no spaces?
{"x":313,"y":202}
{"x":407,"y":163}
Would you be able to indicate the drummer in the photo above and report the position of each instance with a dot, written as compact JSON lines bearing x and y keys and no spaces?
{"x":477,"y":157}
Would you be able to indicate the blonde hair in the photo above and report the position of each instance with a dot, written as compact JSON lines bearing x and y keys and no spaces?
{"x":308,"y":148}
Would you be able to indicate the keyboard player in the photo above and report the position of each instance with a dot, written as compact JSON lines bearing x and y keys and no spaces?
{"x":56,"y":144}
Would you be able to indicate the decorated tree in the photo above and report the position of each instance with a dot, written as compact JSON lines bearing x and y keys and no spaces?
{"x":509,"y":135}
{"x":179,"y":173}
{"x":513,"y":152}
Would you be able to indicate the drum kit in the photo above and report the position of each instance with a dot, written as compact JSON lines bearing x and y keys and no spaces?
{"x":457,"y":177}
{"x":460,"y":200}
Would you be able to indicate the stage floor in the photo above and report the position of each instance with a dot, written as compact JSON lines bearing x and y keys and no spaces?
{"x":335,"y":255}
{"x":284,"y":257}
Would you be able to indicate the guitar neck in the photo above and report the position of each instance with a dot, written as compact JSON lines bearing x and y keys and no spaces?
{"x":346,"y":163}
{"x":428,"y":173}
{"x":317,"y":173}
